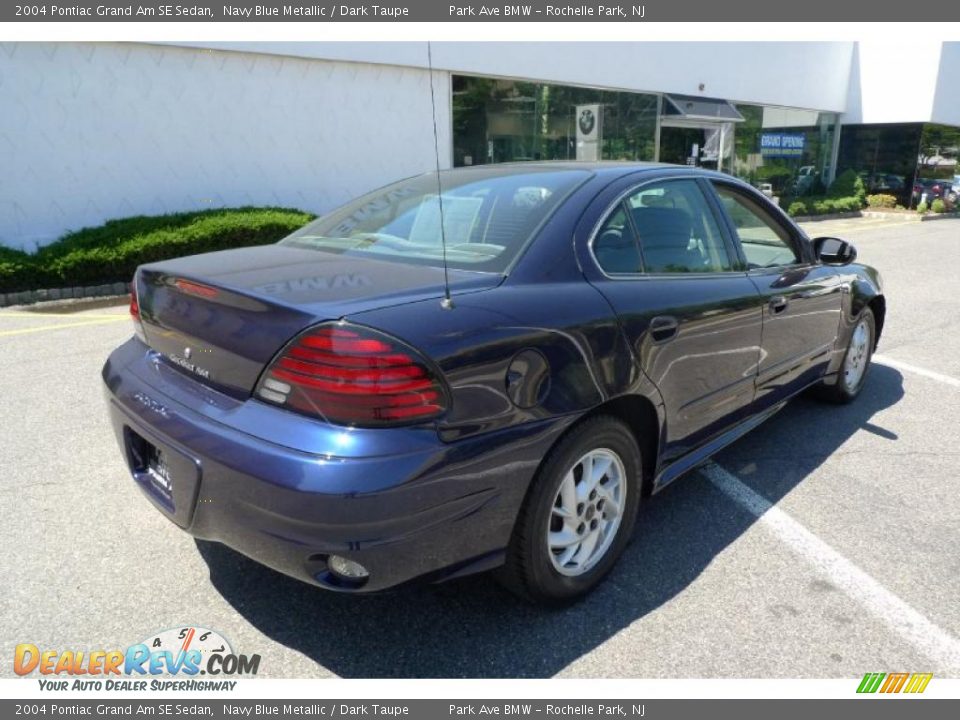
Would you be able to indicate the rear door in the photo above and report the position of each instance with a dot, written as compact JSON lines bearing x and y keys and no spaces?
{"x":690,"y":313}
{"x":802,"y":298}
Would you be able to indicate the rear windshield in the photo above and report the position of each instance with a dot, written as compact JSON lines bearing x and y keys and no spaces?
{"x":488,"y":217}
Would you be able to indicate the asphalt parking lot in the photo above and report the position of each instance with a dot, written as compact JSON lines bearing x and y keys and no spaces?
{"x":824,"y":544}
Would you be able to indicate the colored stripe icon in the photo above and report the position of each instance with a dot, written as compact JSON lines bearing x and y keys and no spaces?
{"x":894,"y":682}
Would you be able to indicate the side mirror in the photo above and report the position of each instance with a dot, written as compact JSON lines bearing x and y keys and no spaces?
{"x":834,"y":251}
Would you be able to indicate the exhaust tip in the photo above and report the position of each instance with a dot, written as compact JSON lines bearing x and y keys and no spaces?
{"x":339,"y":573}
{"x":347,"y":569}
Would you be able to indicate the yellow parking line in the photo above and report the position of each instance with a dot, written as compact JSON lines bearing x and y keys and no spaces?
{"x":24,"y":331}
{"x":884,"y":226}
{"x":35,"y":314}
{"x":860,"y":226}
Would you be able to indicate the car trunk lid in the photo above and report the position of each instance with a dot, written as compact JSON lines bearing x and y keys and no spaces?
{"x":221,"y":317}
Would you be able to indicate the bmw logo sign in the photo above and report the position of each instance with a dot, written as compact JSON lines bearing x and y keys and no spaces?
{"x":587,"y":121}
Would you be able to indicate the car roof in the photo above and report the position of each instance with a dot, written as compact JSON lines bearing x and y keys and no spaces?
{"x":609,"y":168}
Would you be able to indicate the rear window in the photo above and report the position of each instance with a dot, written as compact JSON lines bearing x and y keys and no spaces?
{"x":489,"y":215}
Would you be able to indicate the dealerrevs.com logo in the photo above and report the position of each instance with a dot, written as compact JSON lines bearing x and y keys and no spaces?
{"x":153,"y":664}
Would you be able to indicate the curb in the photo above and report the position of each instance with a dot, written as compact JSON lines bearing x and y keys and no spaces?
{"x":879,"y":215}
{"x":939,"y":216}
{"x":831,"y":216}
{"x":913,"y":215}
{"x":29,"y":297}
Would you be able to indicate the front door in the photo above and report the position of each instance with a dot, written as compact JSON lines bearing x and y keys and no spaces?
{"x":692,"y":317}
{"x":802,"y":298}
{"x":680,"y":145}
{"x":703,"y":144}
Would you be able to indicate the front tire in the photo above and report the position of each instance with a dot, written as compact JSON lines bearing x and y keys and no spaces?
{"x":852,"y":375}
{"x":578,"y":516}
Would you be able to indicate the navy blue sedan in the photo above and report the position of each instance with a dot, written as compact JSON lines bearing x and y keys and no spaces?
{"x":423,"y":384}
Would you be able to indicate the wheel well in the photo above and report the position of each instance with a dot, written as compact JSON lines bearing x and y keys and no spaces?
{"x":639,"y":414}
{"x":878,"y":305}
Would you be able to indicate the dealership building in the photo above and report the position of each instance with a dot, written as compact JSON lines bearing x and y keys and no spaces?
{"x":94,"y":131}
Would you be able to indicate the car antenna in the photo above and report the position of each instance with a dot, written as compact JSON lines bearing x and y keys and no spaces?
{"x":447,"y":302}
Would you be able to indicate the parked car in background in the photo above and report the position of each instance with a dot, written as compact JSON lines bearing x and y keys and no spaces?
{"x":934,"y":189}
{"x":886,"y":183}
{"x":951,"y":191}
{"x":417,"y":387}
{"x":805,"y":180}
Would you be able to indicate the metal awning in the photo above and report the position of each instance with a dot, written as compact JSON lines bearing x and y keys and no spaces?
{"x":690,"y":107}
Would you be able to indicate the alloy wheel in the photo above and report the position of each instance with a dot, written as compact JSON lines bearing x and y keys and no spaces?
{"x":858,"y":355}
{"x":587,"y":511}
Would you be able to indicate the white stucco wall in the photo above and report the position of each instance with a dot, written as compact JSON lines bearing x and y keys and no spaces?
{"x":946,"y":100}
{"x":797,"y":74}
{"x":91,"y":131}
{"x":907,"y":82}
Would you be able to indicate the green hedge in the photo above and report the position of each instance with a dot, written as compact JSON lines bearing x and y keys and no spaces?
{"x":824,"y":206}
{"x":882,"y":200}
{"x":111,"y":252}
{"x":16,"y":270}
{"x":848,"y":184}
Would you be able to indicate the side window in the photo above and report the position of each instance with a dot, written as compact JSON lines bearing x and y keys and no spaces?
{"x":676,"y":229}
{"x":764,"y":241}
{"x":615,"y":246}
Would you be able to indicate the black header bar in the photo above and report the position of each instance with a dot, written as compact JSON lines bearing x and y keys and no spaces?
{"x":469,"y":11}
{"x":324,"y":708}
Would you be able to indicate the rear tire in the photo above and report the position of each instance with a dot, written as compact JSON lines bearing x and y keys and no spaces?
{"x":578,"y":516}
{"x":853,"y":372}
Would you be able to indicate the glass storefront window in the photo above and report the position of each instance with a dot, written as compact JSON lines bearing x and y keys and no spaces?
{"x":904,"y":160}
{"x":510,"y":120}
{"x":939,"y":156}
{"x":884,"y":156}
{"x":785,"y":152}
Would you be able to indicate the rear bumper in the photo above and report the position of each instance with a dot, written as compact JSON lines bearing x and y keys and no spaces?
{"x":288,"y":491}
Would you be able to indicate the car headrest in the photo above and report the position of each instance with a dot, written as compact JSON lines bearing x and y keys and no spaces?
{"x":616,"y":252}
{"x":662,"y":226}
{"x":665,"y":239}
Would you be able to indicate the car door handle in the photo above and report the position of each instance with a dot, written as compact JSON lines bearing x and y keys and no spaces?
{"x":663,"y":328}
{"x":778,"y":304}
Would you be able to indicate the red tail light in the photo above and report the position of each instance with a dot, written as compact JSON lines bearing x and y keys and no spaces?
{"x":352,"y":375}
{"x":195,"y":288}
{"x":135,"y":311}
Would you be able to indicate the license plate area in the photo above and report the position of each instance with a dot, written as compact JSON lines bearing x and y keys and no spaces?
{"x":167,"y":476}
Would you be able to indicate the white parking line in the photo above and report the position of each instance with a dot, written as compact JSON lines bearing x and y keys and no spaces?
{"x":907,"y":367}
{"x":932,"y":641}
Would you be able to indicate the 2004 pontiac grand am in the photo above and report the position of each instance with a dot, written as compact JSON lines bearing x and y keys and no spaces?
{"x":323,"y":407}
